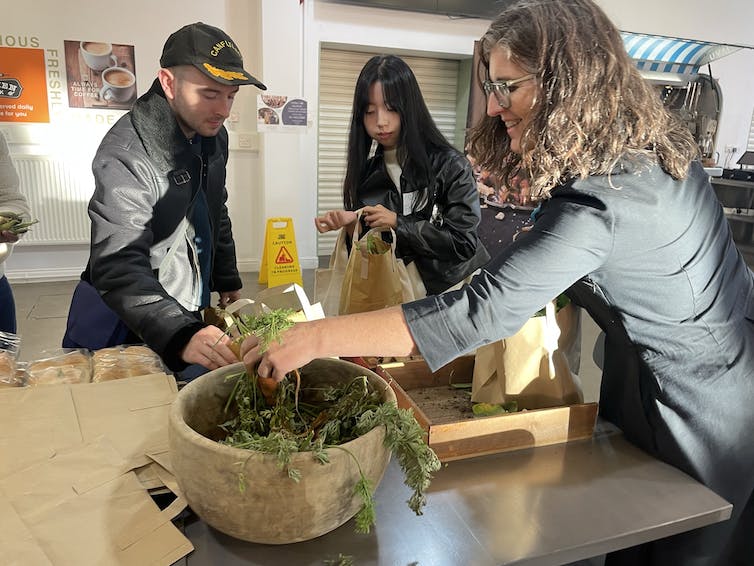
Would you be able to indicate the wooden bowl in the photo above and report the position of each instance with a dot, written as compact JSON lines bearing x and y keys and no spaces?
{"x":272,"y":508}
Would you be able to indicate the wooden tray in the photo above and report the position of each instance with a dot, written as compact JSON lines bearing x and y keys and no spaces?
{"x":452,"y":430}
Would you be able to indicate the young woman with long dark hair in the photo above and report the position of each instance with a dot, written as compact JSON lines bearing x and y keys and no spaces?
{"x":416,"y":182}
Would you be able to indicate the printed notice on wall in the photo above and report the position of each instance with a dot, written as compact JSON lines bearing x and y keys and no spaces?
{"x":100,"y":75}
{"x":23,"y":85}
{"x":277,"y":113}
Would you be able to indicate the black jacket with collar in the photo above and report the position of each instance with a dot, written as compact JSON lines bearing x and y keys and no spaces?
{"x":146,"y":177}
{"x":446,"y":249}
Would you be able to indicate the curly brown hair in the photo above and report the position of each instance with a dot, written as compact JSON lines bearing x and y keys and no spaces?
{"x":593,"y":108}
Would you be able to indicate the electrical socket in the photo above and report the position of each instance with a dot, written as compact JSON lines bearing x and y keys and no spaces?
{"x":731,"y":149}
{"x":245,"y":141}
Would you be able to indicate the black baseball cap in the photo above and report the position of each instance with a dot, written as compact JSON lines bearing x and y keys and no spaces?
{"x":210,"y":50}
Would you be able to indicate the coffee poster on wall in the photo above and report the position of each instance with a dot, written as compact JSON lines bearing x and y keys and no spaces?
{"x":23,"y":85}
{"x":100,"y":75}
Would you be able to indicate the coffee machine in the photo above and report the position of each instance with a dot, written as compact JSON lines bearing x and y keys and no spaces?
{"x":697,"y":102}
{"x":680,"y":70}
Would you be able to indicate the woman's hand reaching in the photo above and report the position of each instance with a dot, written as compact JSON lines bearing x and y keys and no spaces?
{"x":335,"y":220}
{"x":349,"y":335}
{"x":294,"y":348}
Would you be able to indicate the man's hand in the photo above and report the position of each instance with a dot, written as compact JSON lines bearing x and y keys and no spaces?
{"x":294,"y":348}
{"x":8,"y":237}
{"x":228,"y":297}
{"x":209,"y":348}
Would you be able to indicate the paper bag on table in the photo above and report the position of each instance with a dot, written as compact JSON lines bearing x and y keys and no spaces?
{"x":80,"y":507}
{"x":37,"y":422}
{"x":530,"y":367}
{"x":132,"y":413}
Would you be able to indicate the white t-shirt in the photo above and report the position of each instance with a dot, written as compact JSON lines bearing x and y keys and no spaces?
{"x":394,"y":171}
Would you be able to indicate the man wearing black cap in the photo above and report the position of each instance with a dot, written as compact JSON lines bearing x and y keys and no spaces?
{"x":161,"y":235}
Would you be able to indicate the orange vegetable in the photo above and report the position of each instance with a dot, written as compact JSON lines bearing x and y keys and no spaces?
{"x":235,"y":347}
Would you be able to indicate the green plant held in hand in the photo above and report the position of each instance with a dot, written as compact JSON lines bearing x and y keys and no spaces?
{"x":12,"y":222}
{"x":315,"y":418}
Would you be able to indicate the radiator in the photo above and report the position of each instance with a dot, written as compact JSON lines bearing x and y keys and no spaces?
{"x":58,"y":193}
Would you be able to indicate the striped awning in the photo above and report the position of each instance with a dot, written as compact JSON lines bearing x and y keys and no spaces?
{"x":670,"y":55}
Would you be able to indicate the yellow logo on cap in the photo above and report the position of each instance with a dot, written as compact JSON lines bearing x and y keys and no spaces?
{"x":227,"y":75}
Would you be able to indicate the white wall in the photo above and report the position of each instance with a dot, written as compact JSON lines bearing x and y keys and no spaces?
{"x":721,"y":21}
{"x":283,"y":39}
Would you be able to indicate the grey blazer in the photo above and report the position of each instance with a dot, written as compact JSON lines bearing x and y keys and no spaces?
{"x":653,"y":262}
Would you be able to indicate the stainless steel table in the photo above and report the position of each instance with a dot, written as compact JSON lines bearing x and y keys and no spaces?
{"x":543,"y":506}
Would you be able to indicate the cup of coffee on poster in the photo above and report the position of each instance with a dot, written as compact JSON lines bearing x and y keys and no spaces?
{"x":118,"y":84}
{"x":98,"y":55}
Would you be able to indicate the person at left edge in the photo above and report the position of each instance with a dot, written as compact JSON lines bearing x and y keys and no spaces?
{"x":160,"y":183}
{"x":11,"y":200}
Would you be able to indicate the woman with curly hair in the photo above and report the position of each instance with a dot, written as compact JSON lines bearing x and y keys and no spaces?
{"x":630,"y":229}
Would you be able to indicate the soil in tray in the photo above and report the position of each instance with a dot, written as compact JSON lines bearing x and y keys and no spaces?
{"x":443,"y":404}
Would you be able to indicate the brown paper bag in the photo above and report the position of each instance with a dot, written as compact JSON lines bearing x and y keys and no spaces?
{"x":530,"y":367}
{"x":329,"y":281}
{"x":81,"y":508}
{"x":375,"y":278}
{"x":37,"y":422}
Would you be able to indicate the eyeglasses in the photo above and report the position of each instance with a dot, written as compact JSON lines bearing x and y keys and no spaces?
{"x":502,"y":89}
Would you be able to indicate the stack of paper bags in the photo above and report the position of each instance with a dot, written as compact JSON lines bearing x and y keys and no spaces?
{"x":70,"y":489}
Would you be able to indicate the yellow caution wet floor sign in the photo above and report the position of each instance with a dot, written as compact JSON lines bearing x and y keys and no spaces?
{"x":280,"y":263}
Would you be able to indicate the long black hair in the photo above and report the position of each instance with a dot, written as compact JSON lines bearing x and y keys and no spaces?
{"x":418,"y":135}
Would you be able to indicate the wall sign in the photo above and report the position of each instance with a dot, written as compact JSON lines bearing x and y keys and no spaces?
{"x":100,"y":75}
{"x":280,"y":113}
{"x":23,"y":85}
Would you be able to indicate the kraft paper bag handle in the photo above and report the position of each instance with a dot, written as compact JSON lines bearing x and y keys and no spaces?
{"x":411,"y":281}
{"x":358,"y":237}
{"x":357,"y":228}
{"x":360,"y":291}
{"x":328,"y":282}
{"x":552,"y":333}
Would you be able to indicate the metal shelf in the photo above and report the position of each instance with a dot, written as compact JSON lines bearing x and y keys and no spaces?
{"x":737,"y":183}
{"x":739,"y":214}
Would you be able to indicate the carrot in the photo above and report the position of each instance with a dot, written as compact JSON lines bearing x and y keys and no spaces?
{"x":235,"y":347}
{"x":269,"y":388}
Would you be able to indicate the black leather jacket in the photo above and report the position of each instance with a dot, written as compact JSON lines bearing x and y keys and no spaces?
{"x":146,"y":177}
{"x":446,"y":249}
